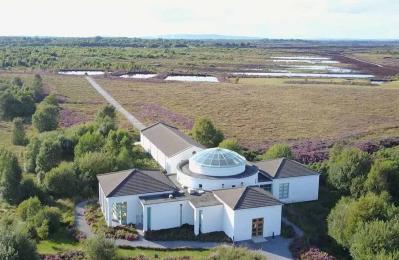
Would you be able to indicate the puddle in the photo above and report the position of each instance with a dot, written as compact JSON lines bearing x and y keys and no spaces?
{"x":138,"y":76}
{"x":322,"y":67}
{"x":81,"y":72}
{"x":300,"y":58}
{"x":308,"y":61}
{"x":193,"y":78}
{"x":304,"y":75}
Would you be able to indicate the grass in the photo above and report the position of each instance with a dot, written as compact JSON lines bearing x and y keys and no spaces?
{"x":161,"y":254}
{"x":61,"y":241}
{"x":259,"y":112}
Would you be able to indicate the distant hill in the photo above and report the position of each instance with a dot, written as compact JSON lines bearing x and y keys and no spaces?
{"x":205,"y":37}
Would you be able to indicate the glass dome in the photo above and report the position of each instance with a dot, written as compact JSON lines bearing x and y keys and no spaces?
{"x":218,"y":157}
{"x":217,"y":162}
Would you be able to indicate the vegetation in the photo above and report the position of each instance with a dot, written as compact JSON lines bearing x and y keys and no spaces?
{"x":227,"y":253}
{"x":47,"y":115}
{"x":186,"y":232}
{"x":16,"y":244}
{"x":99,"y":248}
{"x":278,"y":151}
{"x":231,"y":144}
{"x":95,"y":219}
{"x":18,"y":133}
{"x":206,"y":133}
{"x":10,"y":176}
{"x":251,"y":113}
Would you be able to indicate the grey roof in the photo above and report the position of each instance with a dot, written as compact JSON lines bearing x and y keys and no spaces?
{"x":205,"y":199}
{"x":168,"y":139}
{"x":284,"y":168}
{"x":134,"y":182}
{"x":246,"y":198}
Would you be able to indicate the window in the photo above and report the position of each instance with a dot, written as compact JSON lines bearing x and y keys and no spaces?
{"x":267,"y":187}
{"x":222,"y":186}
{"x":233,"y":186}
{"x":283,"y":191}
{"x":200,"y":186}
{"x":242,"y":184}
{"x":149,"y":218}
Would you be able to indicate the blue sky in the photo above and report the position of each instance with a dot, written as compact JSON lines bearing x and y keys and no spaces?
{"x":308,"y":19}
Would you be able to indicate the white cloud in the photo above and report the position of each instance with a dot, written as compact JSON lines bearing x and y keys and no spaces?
{"x":266,"y":18}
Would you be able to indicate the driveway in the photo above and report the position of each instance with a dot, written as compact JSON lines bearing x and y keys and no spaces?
{"x":132,"y":119}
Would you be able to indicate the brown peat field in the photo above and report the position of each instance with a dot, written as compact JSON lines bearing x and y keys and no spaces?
{"x":260,"y":111}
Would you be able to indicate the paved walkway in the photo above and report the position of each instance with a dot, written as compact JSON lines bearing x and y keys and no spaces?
{"x":132,"y":119}
{"x":274,"y":248}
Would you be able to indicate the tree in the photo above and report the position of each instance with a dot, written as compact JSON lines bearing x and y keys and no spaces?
{"x":91,"y":164}
{"x":206,"y":133}
{"x":28,"y":208}
{"x":61,"y":181}
{"x":99,"y":248}
{"x":49,"y":156}
{"x":89,"y":142}
{"x":278,"y":151}
{"x":106,"y":119}
{"x":18,"y":132}
{"x":10,"y":176}
{"x":231,"y":144}
{"x":383,"y":176}
{"x":344,"y":165}
{"x":51,"y":100}
{"x":37,"y":87}
{"x":46,"y":117}
{"x":32,"y":150}
{"x":349,"y":214}
{"x":375,"y":238}
{"x":16,"y":244}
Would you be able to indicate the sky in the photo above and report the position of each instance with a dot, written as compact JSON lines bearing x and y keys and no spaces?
{"x":305,"y":19}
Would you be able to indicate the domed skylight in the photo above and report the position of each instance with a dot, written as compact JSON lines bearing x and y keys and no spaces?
{"x":218,"y":158}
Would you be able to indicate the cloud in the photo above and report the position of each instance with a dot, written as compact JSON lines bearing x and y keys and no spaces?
{"x":265,"y":18}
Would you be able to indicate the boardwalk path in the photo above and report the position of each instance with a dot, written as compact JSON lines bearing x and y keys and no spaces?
{"x":132,"y":119}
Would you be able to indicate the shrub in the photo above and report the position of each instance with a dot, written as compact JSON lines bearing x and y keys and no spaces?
{"x":61,"y":181}
{"x":89,"y":142}
{"x":99,"y":248}
{"x":232,"y":145}
{"x":18,"y":132}
{"x":278,"y":151}
{"x":10,"y":176}
{"x":206,"y":133}
{"x":16,"y":245}
{"x":46,"y":117}
{"x":232,"y":253}
{"x":374,"y":238}
{"x":349,"y":214}
{"x":49,"y":155}
{"x":27,"y":209}
{"x":344,"y":165}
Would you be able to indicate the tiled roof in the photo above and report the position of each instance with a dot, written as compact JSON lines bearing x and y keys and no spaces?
{"x":168,"y":139}
{"x":134,"y":182}
{"x":284,"y":168}
{"x":246,"y":198}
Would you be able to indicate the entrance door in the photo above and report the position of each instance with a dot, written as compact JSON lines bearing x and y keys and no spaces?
{"x":257,"y":227}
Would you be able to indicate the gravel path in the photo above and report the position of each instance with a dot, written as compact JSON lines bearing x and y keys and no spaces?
{"x":132,"y":119}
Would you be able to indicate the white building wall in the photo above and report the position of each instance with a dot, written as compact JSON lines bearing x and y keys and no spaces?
{"x":212,"y":219}
{"x":243,"y":222}
{"x":167,"y":215}
{"x":214,"y":184}
{"x":183,"y":155}
{"x":153,"y":150}
{"x":303,"y":188}
{"x":228,"y":221}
